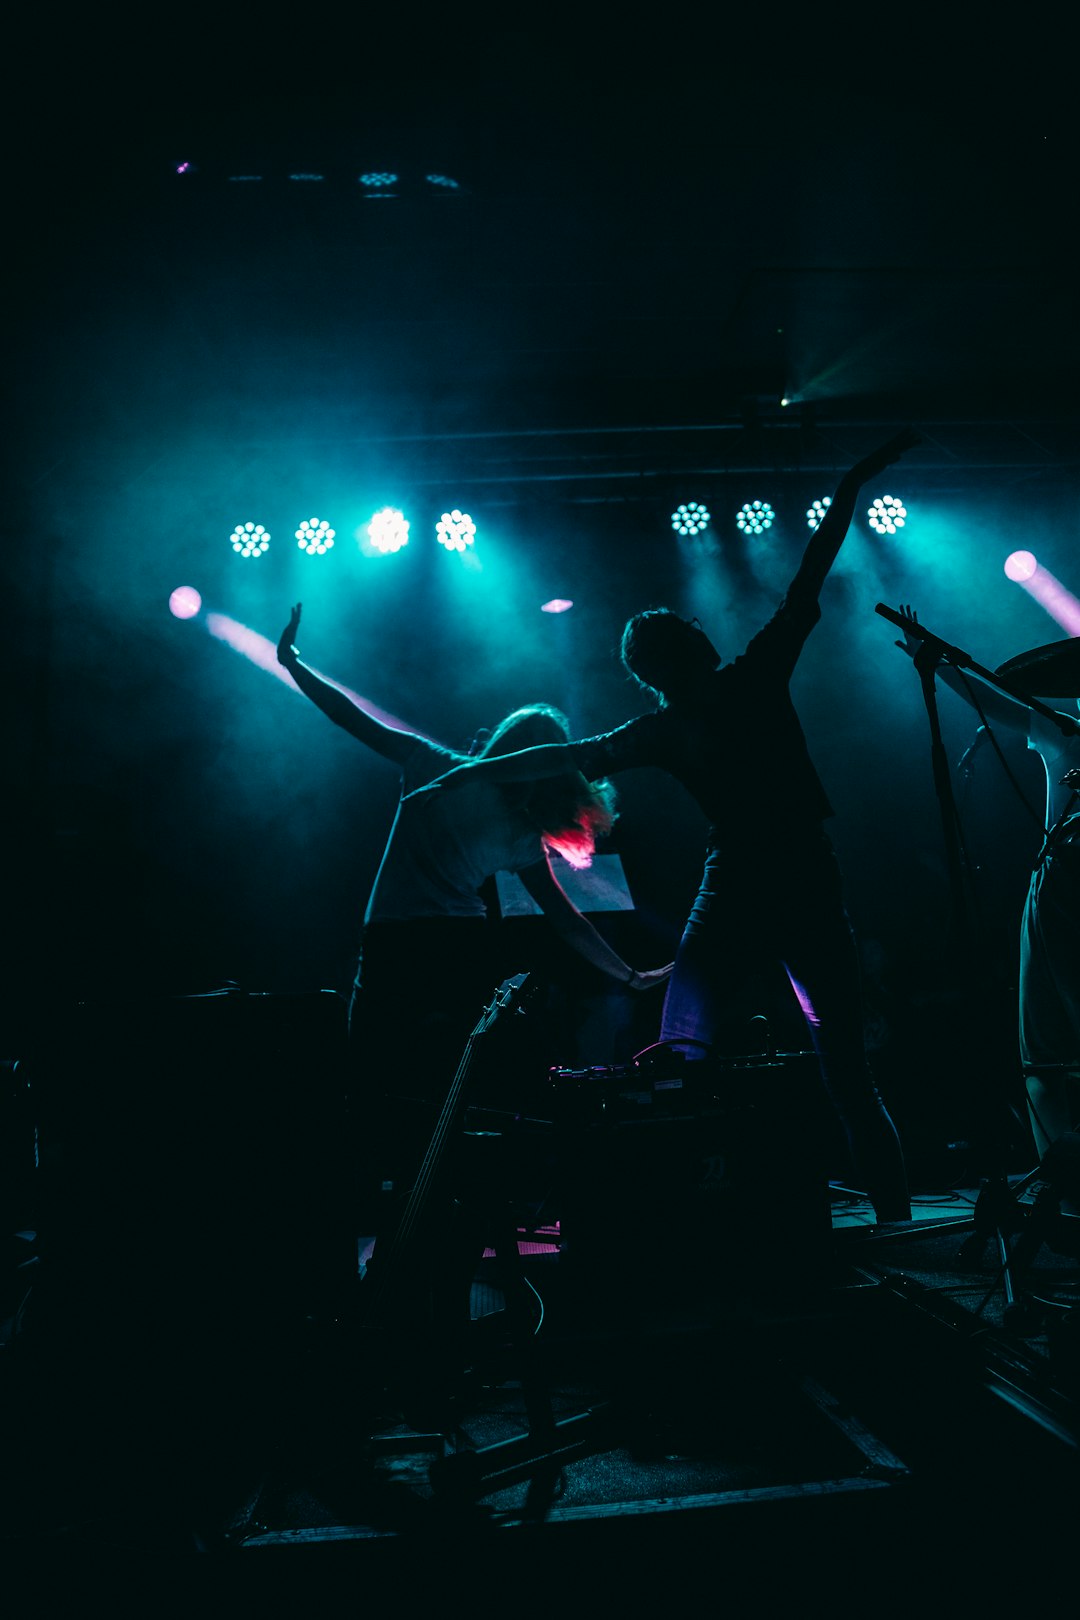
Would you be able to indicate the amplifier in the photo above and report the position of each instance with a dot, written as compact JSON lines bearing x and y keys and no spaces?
{"x":711,"y":1172}
{"x":193,"y":1233}
{"x":192,"y":1151}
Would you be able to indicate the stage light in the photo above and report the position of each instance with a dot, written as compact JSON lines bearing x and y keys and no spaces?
{"x":1020,"y":566}
{"x":315,"y":536}
{"x":185,"y":167}
{"x":455,"y":530}
{"x":755,"y":517}
{"x":816,"y":511}
{"x":442,"y":181}
{"x":307,"y":178}
{"x":558,"y":604}
{"x":886,"y":514}
{"x":388,"y":530}
{"x":378,"y":184}
{"x":185,"y":602}
{"x":250,"y":539}
{"x":690,"y":518}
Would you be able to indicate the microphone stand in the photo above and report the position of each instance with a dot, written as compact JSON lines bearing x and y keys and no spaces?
{"x":944,"y":653}
{"x":932,"y":652}
{"x":995,"y":1200}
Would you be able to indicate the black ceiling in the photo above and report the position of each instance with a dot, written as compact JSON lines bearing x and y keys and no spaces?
{"x":624,"y":282}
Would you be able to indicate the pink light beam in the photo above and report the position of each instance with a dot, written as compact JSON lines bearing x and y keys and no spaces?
{"x":1063,"y":607}
{"x":259,"y":650}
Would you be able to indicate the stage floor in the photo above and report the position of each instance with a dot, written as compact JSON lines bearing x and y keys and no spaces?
{"x":667,"y":1419}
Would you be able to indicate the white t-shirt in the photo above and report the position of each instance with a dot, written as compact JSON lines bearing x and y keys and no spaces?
{"x":442,"y":848}
{"x":1059,"y":753}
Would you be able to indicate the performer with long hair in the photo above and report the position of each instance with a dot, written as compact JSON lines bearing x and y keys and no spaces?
{"x":426,"y":961}
{"x":771,"y":890}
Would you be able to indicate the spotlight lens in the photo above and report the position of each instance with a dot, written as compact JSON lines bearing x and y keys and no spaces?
{"x":455,"y":530}
{"x":690,"y":518}
{"x":388,"y":530}
{"x":816,"y":511}
{"x":755,"y":517}
{"x":315,"y":537}
{"x":185,"y":602}
{"x":250,"y":539}
{"x":886,"y":515}
{"x":1020,"y":565}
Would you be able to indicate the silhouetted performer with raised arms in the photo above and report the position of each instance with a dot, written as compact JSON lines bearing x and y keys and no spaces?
{"x":771,"y":889}
{"x":1049,"y":966}
{"x":426,"y":968}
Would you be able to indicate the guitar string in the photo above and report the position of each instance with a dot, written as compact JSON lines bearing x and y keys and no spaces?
{"x":426,"y":1176}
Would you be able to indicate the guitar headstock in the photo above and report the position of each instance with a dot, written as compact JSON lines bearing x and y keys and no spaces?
{"x":511,"y":997}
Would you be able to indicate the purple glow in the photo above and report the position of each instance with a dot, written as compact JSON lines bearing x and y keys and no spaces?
{"x":1062,"y":606}
{"x":1020,"y":566}
{"x":263,"y":652}
{"x":185,"y":602}
{"x":804,"y":1001}
{"x":558,"y":604}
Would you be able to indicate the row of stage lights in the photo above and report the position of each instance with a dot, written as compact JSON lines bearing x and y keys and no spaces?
{"x":885,"y":515}
{"x":388,"y":530}
{"x":377,"y":183}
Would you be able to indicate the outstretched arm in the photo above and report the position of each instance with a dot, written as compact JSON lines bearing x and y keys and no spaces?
{"x":828,"y":537}
{"x":987,"y":701}
{"x":528,"y":765}
{"x":578,"y":932}
{"x":337,"y":705}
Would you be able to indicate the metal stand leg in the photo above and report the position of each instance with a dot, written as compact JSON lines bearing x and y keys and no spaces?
{"x":997,"y":1214}
{"x":547,"y":1444}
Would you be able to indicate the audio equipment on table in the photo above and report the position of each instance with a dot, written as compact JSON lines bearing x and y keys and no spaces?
{"x":663,"y":1084}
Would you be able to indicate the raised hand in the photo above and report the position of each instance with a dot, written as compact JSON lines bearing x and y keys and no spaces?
{"x":911,"y":642}
{"x":286,"y":652}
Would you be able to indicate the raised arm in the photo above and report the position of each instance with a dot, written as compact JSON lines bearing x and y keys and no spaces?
{"x":337,"y":705}
{"x":578,"y":932}
{"x":828,"y":537}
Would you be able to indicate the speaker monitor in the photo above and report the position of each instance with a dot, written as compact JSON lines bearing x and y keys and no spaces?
{"x":193,"y":1150}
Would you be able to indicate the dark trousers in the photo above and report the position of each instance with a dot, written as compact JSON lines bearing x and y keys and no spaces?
{"x":785,"y":905}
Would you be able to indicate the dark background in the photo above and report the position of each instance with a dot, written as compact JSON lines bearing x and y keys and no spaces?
{"x":649,"y":245}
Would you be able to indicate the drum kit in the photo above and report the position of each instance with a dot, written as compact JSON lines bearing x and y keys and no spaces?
{"x":1051,"y":671}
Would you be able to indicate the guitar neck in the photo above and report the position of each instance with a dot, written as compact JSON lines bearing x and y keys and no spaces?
{"x":422,"y":1205}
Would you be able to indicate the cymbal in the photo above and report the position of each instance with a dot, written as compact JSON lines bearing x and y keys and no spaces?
{"x":1050,"y":671}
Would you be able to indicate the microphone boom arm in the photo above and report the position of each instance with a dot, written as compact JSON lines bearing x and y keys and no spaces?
{"x":940,"y":651}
